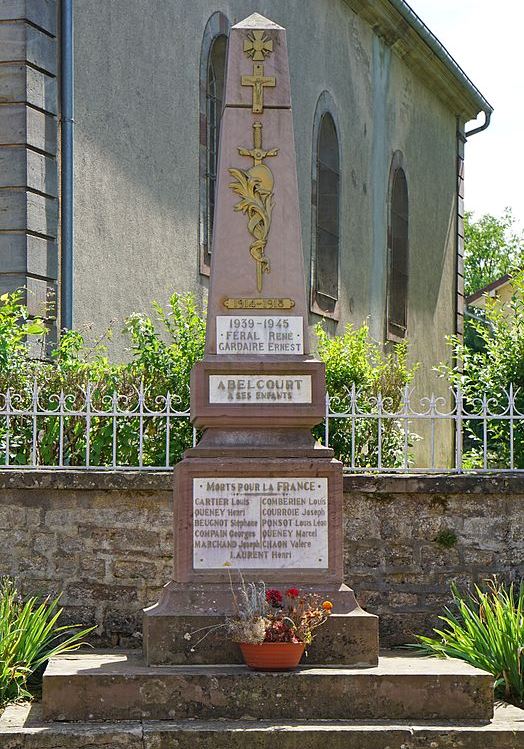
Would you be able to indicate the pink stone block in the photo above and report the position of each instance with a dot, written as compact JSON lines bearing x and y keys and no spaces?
{"x":233,"y":270}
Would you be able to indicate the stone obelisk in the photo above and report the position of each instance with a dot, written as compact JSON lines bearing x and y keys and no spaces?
{"x":257,"y":310}
{"x":257,"y":494}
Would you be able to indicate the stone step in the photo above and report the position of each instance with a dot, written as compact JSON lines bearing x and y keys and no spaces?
{"x":22,"y":727}
{"x":119,"y":686}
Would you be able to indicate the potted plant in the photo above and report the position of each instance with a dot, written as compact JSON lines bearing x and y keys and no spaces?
{"x":273,"y":627}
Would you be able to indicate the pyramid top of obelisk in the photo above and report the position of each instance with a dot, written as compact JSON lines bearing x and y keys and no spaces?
{"x":258,"y":49}
{"x":257,"y":21}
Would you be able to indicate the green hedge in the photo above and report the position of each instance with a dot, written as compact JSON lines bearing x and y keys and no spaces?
{"x":163,"y":350}
{"x":489,"y":370}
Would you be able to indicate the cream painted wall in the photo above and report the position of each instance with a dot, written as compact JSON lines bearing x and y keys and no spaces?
{"x":137,"y":159}
{"x":503,"y":294}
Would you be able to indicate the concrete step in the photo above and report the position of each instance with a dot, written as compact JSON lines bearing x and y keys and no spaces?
{"x":119,"y":686}
{"x":22,"y":727}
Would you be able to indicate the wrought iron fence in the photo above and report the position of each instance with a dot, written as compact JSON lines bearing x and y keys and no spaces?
{"x":454,"y":433}
{"x":91,"y":429}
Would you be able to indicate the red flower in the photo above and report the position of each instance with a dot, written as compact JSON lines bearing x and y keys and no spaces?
{"x":274,"y":597}
{"x":293,"y":593}
{"x":280,"y":631}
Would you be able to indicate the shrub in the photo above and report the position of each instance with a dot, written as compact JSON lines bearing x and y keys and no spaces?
{"x":162,"y":358}
{"x":487,"y":631}
{"x":357,"y":373}
{"x":29,"y":636}
{"x":164,"y":350}
{"x":484,"y":370}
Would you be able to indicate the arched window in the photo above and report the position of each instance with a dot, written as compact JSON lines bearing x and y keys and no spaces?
{"x":327,"y":208}
{"x":212,"y":82}
{"x":398,"y":251}
{"x":215,"y":98}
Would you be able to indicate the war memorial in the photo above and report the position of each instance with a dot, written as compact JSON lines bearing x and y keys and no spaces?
{"x":257,"y":496}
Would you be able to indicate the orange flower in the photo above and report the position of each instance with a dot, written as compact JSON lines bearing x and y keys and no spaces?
{"x":327,"y":605}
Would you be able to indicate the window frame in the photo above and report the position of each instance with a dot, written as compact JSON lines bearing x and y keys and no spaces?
{"x":397,"y":264}
{"x":325,"y":108}
{"x":217,"y":27}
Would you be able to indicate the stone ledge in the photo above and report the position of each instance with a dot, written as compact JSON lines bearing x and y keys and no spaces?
{"x":154,"y":481}
{"x":117,"y":685}
{"x":442,"y":483}
{"x":87,"y":480}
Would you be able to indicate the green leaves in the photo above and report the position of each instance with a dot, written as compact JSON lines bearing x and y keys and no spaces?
{"x":486,"y":630}
{"x":164,"y":348}
{"x":14,"y":328}
{"x":489,"y":367}
{"x":29,"y":636}
{"x":491,"y":249}
{"x":354,"y":358}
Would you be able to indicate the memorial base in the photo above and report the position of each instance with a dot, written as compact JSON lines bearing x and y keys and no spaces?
{"x":171,"y":628}
{"x":278,"y":520}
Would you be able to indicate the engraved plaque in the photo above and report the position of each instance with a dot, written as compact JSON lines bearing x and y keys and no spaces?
{"x":260,"y":523}
{"x":244,"y":302}
{"x":259,"y":389}
{"x":253,"y":334}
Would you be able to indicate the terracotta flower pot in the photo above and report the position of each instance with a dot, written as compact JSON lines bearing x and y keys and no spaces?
{"x":272,"y":656}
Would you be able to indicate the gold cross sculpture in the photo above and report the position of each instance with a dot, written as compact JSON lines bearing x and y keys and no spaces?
{"x":258,"y":46}
{"x":258,"y":81}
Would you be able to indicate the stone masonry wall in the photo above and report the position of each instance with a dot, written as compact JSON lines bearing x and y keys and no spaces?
{"x":28,"y":153}
{"x":105,"y":540}
{"x":408,"y":538}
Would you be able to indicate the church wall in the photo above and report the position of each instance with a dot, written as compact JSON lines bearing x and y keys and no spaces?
{"x":137,"y":159}
{"x":425,"y":131}
{"x":422,"y":128}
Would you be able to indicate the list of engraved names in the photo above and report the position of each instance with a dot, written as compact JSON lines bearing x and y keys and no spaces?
{"x":249,"y":334}
{"x":257,"y":523}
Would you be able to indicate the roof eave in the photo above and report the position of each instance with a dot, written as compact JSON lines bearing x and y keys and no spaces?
{"x":490,"y":288}
{"x":401,"y":29}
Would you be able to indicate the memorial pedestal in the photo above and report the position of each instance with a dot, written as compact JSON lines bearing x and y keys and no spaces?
{"x":277,"y":519}
{"x":349,"y":637}
{"x":272,"y":518}
{"x":256,"y":393}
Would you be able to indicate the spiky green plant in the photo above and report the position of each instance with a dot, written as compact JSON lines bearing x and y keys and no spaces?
{"x":487,"y":630}
{"x":29,"y":636}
